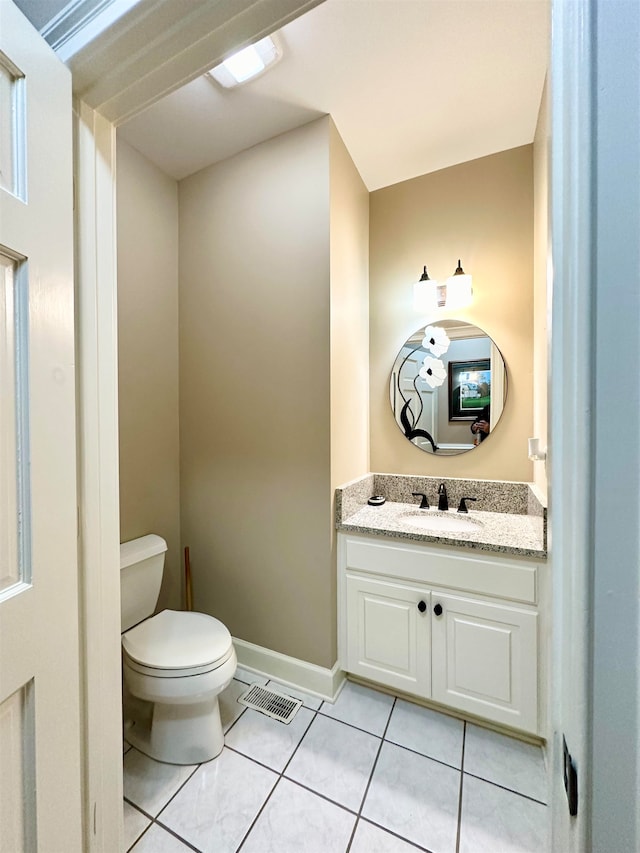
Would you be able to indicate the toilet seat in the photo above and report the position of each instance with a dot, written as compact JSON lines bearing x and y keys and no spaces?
{"x":177,"y":644}
{"x":182,"y":672}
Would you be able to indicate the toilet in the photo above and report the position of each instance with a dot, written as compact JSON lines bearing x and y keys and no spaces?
{"x":175,"y":664}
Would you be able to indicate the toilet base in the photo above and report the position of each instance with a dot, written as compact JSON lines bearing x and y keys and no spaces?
{"x":179,"y":734}
{"x":176,"y":720}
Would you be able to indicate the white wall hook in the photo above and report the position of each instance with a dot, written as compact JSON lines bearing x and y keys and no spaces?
{"x":535,"y":451}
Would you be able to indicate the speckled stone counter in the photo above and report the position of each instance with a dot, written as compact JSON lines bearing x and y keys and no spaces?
{"x":511,"y":517}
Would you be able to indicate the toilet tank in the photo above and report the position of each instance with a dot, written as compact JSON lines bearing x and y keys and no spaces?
{"x":141,"y":567}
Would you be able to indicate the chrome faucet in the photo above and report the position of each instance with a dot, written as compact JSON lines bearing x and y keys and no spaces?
{"x":443,"y":500}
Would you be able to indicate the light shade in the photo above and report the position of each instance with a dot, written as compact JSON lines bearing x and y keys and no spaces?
{"x":246,"y":63}
{"x":459,"y":289}
{"x":425,"y":293}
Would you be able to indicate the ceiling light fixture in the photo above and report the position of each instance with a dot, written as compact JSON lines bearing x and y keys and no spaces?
{"x":247,"y":63}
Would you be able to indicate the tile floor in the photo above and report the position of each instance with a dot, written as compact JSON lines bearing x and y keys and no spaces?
{"x":370,"y":774}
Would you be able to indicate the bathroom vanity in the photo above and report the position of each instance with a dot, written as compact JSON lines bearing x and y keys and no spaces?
{"x":457,"y":618}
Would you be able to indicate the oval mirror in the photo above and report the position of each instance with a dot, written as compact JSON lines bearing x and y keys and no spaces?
{"x":448,"y":387}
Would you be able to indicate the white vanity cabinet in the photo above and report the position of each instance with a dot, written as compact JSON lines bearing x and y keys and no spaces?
{"x":388,"y":633}
{"x":486,"y":658}
{"x":456,"y":626}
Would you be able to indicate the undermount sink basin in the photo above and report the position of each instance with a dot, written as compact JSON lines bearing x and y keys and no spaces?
{"x":440,"y":522}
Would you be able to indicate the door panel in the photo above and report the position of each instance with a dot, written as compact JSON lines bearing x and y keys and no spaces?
{"x":388,"y":636}
{"x":477,"y":641}
{"x":485,"y":660}
{"x":12,"y":568}
{"x":17,"y":780}
{"x":12,"y":129}
{"x":39,"y":668}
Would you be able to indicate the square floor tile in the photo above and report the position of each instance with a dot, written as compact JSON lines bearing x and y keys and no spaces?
{"x":150,"y":784}
{"x":371,"y":839}
{"x":362,"y":707}
{"x":295,"y":820}
{"x":230,"y":708}
{"x":427,"y":731}
{"x":497,"y":820}
{"x":308,"y":699}
{"x":506,"y":761}
{"x":135,"y":824}
{"x":267,"y":740}
{"x":218,"y":804}
{"x":335,"y":760}
{"x":415,"y":797}
{"x":158,"y":840}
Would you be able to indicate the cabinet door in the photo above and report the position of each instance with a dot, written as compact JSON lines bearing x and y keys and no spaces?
{"x":388,"y":634}
{"x":485,"y":660}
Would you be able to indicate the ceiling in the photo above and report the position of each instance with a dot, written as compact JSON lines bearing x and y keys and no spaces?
{"x":40,"y":12}
{"x":412,"y":85}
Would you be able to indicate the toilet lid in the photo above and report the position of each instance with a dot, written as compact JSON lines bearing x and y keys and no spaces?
{"x":176,"y":640}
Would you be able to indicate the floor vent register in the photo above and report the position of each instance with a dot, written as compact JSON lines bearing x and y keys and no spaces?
{"x":271,"y":703}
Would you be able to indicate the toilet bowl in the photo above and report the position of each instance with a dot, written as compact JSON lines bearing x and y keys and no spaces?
{"x":175,"y":664}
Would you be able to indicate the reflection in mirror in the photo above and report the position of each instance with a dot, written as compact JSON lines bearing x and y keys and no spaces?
{"x":448,"y":387}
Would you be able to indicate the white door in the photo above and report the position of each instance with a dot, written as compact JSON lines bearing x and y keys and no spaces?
{"x":485,"y":660}
{"x":388,"y":634}
{"x":40,"y":802}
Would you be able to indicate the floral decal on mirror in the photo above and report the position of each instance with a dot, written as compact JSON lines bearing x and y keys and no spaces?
{"x":433,"y":372}
{"x":436,"y":340}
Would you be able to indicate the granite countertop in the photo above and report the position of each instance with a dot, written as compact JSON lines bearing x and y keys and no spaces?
{"x":508,"y":533}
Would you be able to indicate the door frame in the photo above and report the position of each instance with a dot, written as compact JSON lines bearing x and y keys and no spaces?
{"x":615,"y":681}
{"x":111,"y":84}
{"x":570,"y":449}
{"x":585,"y":36}
{"x":594,"y":415}
{"x":98,"y":480}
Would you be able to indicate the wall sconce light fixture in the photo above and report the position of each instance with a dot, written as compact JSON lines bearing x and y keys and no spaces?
{"x":425,"y":293}
{"x":459,"y":289}
{"x":429,"y":294}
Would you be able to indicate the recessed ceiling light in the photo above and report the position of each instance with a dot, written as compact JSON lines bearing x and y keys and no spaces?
{"x":247,"y":63}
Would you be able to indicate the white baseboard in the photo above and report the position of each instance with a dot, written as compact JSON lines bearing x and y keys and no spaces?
{"x":321,"y":682}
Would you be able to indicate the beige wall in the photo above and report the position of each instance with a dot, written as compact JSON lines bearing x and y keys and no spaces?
{"x":540,"y":260}
{"x":349,"y":314}
{"x":349,"y":328}
{"x":255,"y":393}
{"x":275,"y":342}
{"x":148,"y":358}
{"x":482,"y":213}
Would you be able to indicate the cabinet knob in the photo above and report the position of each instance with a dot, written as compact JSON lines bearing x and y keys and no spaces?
{"x":438,"y":610}
{"x":422,"y":606}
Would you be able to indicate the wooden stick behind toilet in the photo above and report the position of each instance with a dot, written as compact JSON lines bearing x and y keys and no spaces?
{"x":187,"y":580}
